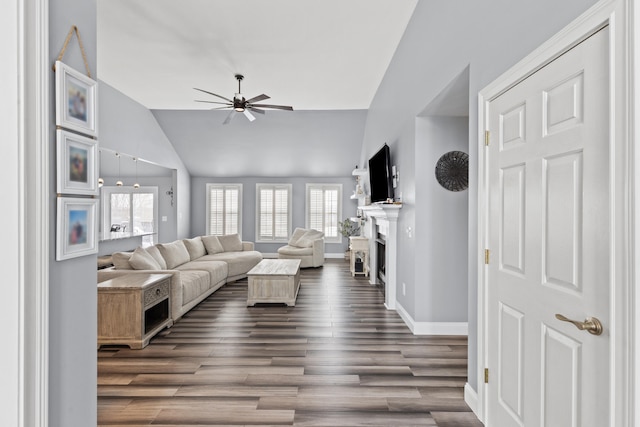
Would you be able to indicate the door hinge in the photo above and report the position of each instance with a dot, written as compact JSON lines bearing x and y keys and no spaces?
{"x":487,"y":136}
{"x":486,"y":375}
{"x":486,"y":256}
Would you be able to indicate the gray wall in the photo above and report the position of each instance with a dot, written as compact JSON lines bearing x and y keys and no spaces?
{"x":440,"y":279}
{"x":199,"y":209}
{"x":72,"y":283}
{"x":441,"y":40}
{"x":280,"y":143}
{"x":128,"y":127}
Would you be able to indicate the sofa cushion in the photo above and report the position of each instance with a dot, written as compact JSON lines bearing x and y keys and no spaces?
{"x":239,"y":263}
{"x":295,"y":251}
{"x":194,"y":284}
{"x":297,"y":234}
{"x":231,"y":243}
{"x":174,"y":254}
{"x":142,"y":260}
{"x":155,"y":253}
{"x":212,"y":244}
{"x":195,"y":247}
{"x":121,"y":260}
{"x":306,"y":241}
{"x":217,"y":269}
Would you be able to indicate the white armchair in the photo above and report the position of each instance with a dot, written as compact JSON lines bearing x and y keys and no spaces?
{"x":305,"y":245}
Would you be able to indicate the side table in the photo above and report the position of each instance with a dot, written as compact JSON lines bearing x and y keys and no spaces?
{"x":133,"y":308}
{"x":359,"y":247}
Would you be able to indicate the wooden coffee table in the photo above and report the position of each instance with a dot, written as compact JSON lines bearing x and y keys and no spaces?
{"x":274,"y":281}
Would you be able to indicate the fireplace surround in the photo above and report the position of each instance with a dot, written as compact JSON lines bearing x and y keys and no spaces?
{"x":381,"y":228}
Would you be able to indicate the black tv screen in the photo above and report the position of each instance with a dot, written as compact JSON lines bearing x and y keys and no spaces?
{"x":380,"y":179}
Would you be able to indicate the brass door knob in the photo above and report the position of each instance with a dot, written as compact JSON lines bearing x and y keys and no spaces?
{"x":590,"y":324}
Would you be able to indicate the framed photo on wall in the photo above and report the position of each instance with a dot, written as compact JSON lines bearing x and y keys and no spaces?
{"x":77,"y":232}
{"x":77,"y":160}
{"x":76,"y":101}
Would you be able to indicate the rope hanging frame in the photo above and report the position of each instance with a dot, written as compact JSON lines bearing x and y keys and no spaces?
{"x":72,"y":31}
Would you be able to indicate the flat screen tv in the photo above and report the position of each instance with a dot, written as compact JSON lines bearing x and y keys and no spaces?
{"x":380,"y":179}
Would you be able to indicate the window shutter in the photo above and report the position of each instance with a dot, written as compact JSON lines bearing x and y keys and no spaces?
{"x":331,"y":213}
{"x":324,"y":209}
{"x":266,"y":214}
{"x":216,"y":210}
{"x":224,"y":210}
{"x":281,"y":214}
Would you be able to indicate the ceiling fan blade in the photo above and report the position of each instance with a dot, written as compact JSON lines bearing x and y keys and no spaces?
{"x":277,"y":107}
{"x":255,"y":110}
{"x":250,"y":116}
{"x":258,"y":98}
{"x":229,"y":117}
{"x":221,"y":108}
{"x":214,"y":94}
{"x":214,"y":102}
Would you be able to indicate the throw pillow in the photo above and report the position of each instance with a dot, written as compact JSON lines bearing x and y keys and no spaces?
{"x":231,"y":243}
{"x":195,"y":247}
{"x":174,"y":254}
{"x":306,"y":241}
{"x":212,"y":244}
{"x":142,"y":260}
{"x":155,"y":253}
{"x":121,"y":260}
{"x":297,"y":234}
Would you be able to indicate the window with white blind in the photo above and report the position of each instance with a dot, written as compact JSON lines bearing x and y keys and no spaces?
{"x":273,"y":216}
{"x":224,"y":209}
{"x":324,"y":209}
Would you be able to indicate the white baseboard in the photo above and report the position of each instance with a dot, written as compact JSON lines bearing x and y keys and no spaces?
{"x":471,"y":398}
{"x":432,"y":328}
{"x":339,"y":255}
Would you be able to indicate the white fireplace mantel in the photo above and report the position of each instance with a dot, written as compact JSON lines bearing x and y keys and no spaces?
{"x":383,"y":219}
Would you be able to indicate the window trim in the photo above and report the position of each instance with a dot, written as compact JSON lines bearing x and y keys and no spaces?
{"x":324,"y":186}
{"x":224,"y":187}
{"x":289,"y":188}
{"x":105,"y":201}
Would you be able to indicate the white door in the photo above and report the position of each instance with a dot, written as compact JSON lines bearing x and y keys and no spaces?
{"x":549,"y":236}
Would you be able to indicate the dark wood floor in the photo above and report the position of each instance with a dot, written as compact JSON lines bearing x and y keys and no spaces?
{"x":338,"y":358}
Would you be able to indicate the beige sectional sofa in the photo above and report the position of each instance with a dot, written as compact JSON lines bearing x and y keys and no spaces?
{"x":307,"y":245}
{"x":199,"y":266}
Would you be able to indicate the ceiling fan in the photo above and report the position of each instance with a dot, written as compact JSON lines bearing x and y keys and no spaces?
{"x":241,"y":105}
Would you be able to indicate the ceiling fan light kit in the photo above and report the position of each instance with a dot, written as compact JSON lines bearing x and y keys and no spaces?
{"x":241,"y":105}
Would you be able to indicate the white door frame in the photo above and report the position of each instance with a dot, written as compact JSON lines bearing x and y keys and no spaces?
{"x":619,"y":15}
{"x":25,"y":304}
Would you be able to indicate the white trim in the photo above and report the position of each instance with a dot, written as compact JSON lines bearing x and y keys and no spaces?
{"x":334,"y":255}
{"x":471,"y":398}
{"x":432,"y":328}
{"x":616,"y":14}
{"x":339,"y":255}
{"x":105,"y":201}
{"x":25,"y":26}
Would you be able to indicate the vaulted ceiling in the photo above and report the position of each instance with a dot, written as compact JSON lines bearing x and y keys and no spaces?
{"x":319,"y":56}
{"x":312,"y":54}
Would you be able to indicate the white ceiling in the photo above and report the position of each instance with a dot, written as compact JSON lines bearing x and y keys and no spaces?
{"x":311,"y":54}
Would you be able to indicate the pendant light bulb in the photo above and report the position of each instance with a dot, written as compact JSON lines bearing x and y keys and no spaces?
{"x":100,"y":180}
{"x":118,"y":182}
{"x":136,"y":185}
